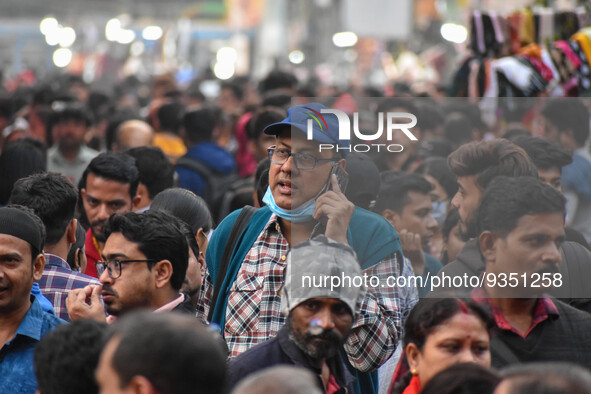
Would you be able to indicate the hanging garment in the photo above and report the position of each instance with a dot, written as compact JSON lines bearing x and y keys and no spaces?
{"x":584,"y":71}
{"x":526,"y":28}
{"x":546,"y":26}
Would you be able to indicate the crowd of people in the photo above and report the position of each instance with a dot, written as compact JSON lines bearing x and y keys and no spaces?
{"x":173,"y":243}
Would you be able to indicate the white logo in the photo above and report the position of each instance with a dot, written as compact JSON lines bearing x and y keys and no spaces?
{"x":345,"y":130}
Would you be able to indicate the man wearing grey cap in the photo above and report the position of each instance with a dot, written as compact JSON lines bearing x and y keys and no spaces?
{"x":22,"y":321}
{"x":321,"y":301}
{"x":304,"y":199}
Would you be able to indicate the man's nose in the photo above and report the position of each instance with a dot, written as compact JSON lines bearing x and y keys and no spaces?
{"x":103,"y":212}
{"x":105,"y":277}
{"x":325,"y":319}
{"x":287,"y":166}
{"x":455,"y":202}
{"x":431,"y":223}
{"x":553,"y":254}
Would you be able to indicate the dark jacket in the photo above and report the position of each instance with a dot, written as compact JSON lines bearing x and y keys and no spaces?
{"x":185,"y":307}
{"x":213,"y":156}
{"x":282,"y":350}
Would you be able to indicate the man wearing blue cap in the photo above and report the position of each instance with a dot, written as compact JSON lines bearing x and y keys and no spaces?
{"x":304,"y":199}
{"x":22,"y":320}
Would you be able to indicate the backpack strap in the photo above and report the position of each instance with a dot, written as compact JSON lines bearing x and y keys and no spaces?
{"x":197,"y":166}
{"x":237,"y":229}
{"x":503,"y":352}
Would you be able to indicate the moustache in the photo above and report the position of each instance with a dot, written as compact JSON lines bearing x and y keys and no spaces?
{"x":108,"y":289}
{"x":549,"y":269}
{"x":98,"y":223}
{"x":326,"y":335}
{"x":100,"y":236}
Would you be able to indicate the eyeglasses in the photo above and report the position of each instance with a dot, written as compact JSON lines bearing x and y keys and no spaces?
{"x":113,"y":267}
{"x":302,"y":161}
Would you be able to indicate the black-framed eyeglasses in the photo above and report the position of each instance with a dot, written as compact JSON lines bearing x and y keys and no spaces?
{"x":113,"y":267}
{"x":302,"y":161}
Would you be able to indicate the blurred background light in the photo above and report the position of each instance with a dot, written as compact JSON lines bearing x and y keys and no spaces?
{"x":67,"y":37}
{"x":125,"y":36}
{"x":152,"y":33}
{"x":226,"y":55}
{"x":112,"y":29}
{"x":296,"y":57}
{"x":224,"y":70}
{"x":54,"y":36}
{"x":137,"y":48}
{"x":48,"y":25}
{"x":62,"y":57}
{"x":454,"y":33}
{"x":344,"y":39}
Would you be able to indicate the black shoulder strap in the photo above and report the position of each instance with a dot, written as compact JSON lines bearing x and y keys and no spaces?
{"x":503,"y":352}
{"x":237,"y":229}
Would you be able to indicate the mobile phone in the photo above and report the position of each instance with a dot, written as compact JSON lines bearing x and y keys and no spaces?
{"x":342,"y":178}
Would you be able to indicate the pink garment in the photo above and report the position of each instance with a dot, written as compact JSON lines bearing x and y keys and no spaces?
{"x":164,"y":308}
{"x":568,"y":52}
{"x":171,"y":305}
{"x":541,"y":67}
{"x":245,"y":160}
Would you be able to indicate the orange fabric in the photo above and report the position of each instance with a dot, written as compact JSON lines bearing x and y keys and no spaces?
{"x":531,"y":50}
{"x":582,"y":37}
{"x":172,"y":146}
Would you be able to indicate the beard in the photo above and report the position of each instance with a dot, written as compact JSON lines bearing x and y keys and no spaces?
{"x":99,"y":235}
{"x":322,"y":346}
{"x":468,"y":229}
{"x":190,"y":290}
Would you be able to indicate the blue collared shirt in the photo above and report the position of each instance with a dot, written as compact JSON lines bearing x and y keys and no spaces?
{"x":17,"y":374}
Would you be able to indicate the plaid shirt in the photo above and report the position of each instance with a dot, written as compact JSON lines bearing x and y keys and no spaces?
{"x":253,"y":313}
{"x":58,"y":279}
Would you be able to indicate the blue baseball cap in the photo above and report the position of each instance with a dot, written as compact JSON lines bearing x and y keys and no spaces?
{"x":325,"y":127}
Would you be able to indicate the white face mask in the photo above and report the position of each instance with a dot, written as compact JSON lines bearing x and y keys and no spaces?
{"x":439,"y":211}
{"x":303,"y":213}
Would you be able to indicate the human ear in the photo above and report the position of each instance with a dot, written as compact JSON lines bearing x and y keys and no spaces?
{"x":162,"y":271}
{"x":71,"y":231}
{"x":141,"y":385}
{"x":392,"y":216}
{"x":412,"y":356}
{"x":488,"y":244}
{"x":38,"y":266}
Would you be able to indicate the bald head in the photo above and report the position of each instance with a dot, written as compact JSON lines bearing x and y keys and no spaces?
{"x":282,"y":379}
{"x":133,"y":134}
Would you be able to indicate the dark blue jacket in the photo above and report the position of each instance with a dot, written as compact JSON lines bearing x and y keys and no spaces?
{"x":213,"y":156}
{"x":282,"y":350}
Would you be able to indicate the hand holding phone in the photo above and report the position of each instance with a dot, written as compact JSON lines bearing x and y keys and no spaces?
{"x":342,"y":178}
{"x":333,"y":208}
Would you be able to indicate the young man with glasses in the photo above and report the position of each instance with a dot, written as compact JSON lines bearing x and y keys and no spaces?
{"x":304,"y":199}
{"x":143,"y":265}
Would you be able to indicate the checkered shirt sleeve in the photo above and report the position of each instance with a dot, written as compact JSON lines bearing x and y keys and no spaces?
{"x":378,"y":326}
{"x":58,"y":280}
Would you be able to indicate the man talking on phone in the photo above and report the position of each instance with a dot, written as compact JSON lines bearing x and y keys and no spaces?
{"x":242,"y":289}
